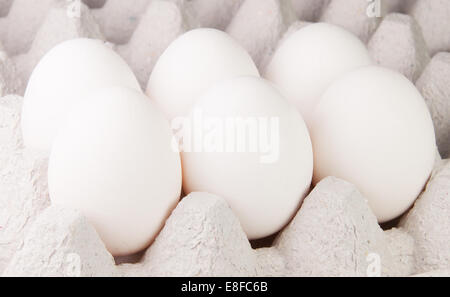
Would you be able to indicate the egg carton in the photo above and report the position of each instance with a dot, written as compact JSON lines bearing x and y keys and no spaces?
{"x":333,"y":234}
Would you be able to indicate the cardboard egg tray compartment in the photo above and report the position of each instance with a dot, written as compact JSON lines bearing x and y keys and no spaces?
{"x":334,"y":232}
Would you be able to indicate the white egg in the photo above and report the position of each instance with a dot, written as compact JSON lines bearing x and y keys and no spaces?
{"x":373,"y":128}
{"x":64,"y":76}
{"x":243,"y":141}
{"x":311,"y":59}
{"x":113,"y":160}
{"x":191,"y":64}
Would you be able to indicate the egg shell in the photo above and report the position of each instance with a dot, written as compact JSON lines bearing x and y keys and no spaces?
{"x":373,"y":129}
{"x":250,"y":180}
{"x":191,"y":64}
{"x":65,"y":76}
{"x":309,"y":60}
{"x":113,"y":160}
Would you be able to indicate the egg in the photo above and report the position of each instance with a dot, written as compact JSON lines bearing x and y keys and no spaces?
{"x":244,"y":142}
{"x":191,"y":64}
{"x":63,"y":77}
{"x":114,"y":161}
{"x":311,"y":59}
{"x":373,"y":129}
